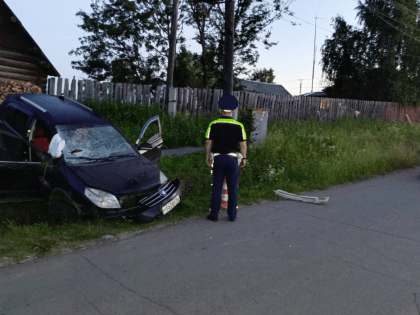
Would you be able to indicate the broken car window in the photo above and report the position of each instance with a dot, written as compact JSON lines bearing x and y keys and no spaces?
{"x":13,"y":149}
{"x":18,"y":122}
{"x":86,"y":143}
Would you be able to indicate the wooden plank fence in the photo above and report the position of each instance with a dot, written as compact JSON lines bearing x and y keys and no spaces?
{"x":196,"y":101}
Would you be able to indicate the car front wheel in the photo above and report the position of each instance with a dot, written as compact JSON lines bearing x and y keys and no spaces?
{"x":61,"y":206}
{"x":62,"y":211}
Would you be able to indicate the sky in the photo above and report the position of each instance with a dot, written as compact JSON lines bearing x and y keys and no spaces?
{"x":53,"y":26}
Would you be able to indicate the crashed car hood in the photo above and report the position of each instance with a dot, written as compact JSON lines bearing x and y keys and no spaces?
{"x":119,"y":177}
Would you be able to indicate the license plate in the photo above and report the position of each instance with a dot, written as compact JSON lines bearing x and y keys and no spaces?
{"x":170,"y":205}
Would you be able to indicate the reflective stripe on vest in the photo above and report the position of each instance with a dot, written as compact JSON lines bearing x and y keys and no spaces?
{"x":226,"y":121}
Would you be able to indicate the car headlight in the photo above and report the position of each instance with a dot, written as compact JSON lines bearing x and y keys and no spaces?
{"x":101,"y":198}
{"x":162,"y":178}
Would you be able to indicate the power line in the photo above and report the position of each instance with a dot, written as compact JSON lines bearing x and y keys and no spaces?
{"x":297,"y":80}
{"x":398,"y":6}
{"x":396,"y":27}
{"x":403,"y":8}
{"x":287,"y":81}
{"x":391,"y":18}
{"x":304,"y":87}
{"x":282,"y":19}
{"x":307,"y":23}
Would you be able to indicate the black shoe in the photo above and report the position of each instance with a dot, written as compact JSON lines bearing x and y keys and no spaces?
{"x":232,"y":219}
{"x":209,"y":217}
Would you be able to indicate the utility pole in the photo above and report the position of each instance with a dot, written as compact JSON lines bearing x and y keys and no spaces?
{"x":172,"y":50}
{"x":300,"y":92}
{"x":313,"y":68}
{"x":228,"y":56}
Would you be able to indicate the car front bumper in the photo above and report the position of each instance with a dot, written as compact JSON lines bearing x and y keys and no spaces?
{"x":146,"y":209}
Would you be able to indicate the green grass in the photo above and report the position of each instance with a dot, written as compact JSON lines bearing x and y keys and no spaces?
{"x":296,"y":157}
{"x":303,"y":156}
{"x":178,"y":131}
{"x":183,"y":130}
{"x":20,"y":240}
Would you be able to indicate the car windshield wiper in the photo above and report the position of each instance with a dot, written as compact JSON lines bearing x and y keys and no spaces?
{"x":107,"y":158}
{"x":91,"y":159}
{"x":123,"y":155}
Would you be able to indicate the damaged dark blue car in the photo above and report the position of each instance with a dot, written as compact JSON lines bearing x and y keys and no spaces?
{"x":63,"y":152}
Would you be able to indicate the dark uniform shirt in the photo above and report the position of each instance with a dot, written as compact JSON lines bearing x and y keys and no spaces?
{"x":226,"y":134}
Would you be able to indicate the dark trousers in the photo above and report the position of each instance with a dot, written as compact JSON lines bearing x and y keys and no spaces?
{"x":225,"y":166}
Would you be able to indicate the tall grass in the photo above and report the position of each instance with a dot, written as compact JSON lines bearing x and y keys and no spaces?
{"x":183,"y":130}
{"x":307,"y":155}
{"x":179,"y":131}
{"x":299,"y":156}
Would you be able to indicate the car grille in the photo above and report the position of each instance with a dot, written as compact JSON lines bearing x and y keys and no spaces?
{"x":132,"y":200}
{"x":157,"y":196}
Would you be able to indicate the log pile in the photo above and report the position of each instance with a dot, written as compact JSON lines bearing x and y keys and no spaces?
{"x":16,"y":87}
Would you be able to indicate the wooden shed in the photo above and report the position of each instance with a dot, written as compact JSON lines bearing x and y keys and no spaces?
{"x":21,"y":59}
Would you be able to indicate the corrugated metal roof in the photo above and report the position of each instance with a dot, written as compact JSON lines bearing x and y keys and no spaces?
{"x":262,"y":87}
{"x":315,"y":94}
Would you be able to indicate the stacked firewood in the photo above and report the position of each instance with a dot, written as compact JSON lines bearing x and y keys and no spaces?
{"x":16,"y":87}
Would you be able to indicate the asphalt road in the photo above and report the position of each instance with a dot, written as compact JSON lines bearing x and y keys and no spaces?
{"x":358,"y":254}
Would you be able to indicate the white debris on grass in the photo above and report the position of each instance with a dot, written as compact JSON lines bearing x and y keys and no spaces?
{"x":291,"y":196}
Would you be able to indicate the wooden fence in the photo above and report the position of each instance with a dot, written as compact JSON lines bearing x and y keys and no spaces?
{"x":196,"y":100}
{"x":83,"y":90}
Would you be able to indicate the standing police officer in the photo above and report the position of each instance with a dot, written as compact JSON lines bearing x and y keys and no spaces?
{"x":224,"y":138}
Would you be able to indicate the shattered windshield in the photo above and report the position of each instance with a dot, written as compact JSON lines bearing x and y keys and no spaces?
{"x":86,"y":143}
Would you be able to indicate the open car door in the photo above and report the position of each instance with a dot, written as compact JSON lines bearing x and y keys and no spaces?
{"x":19,"y":176}
{"x":152,"y":148}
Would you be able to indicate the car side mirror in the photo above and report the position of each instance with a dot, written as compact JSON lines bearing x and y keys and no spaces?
{"x":145,"y":146}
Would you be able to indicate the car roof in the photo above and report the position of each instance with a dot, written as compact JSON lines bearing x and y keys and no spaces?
{"x":56,"y":110}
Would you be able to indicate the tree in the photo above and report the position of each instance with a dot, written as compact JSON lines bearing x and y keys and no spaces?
{"x":199,"y":17}
{"x":172,"y":49}
{"x":229,"y":46}
{"x":252,"y":20}
{"x":187,"y":71}
{"x":346,"y":61}
{"x":379,"y":61}
{"x":128,"y":40}
{"x":262,"y":75}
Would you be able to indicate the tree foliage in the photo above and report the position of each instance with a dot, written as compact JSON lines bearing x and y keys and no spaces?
{"x":187,"y":69}
{"x":263,"y":75}
{"x":252,"y":25}
{"x":381,"y":59}
{"x":127,"y":40}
